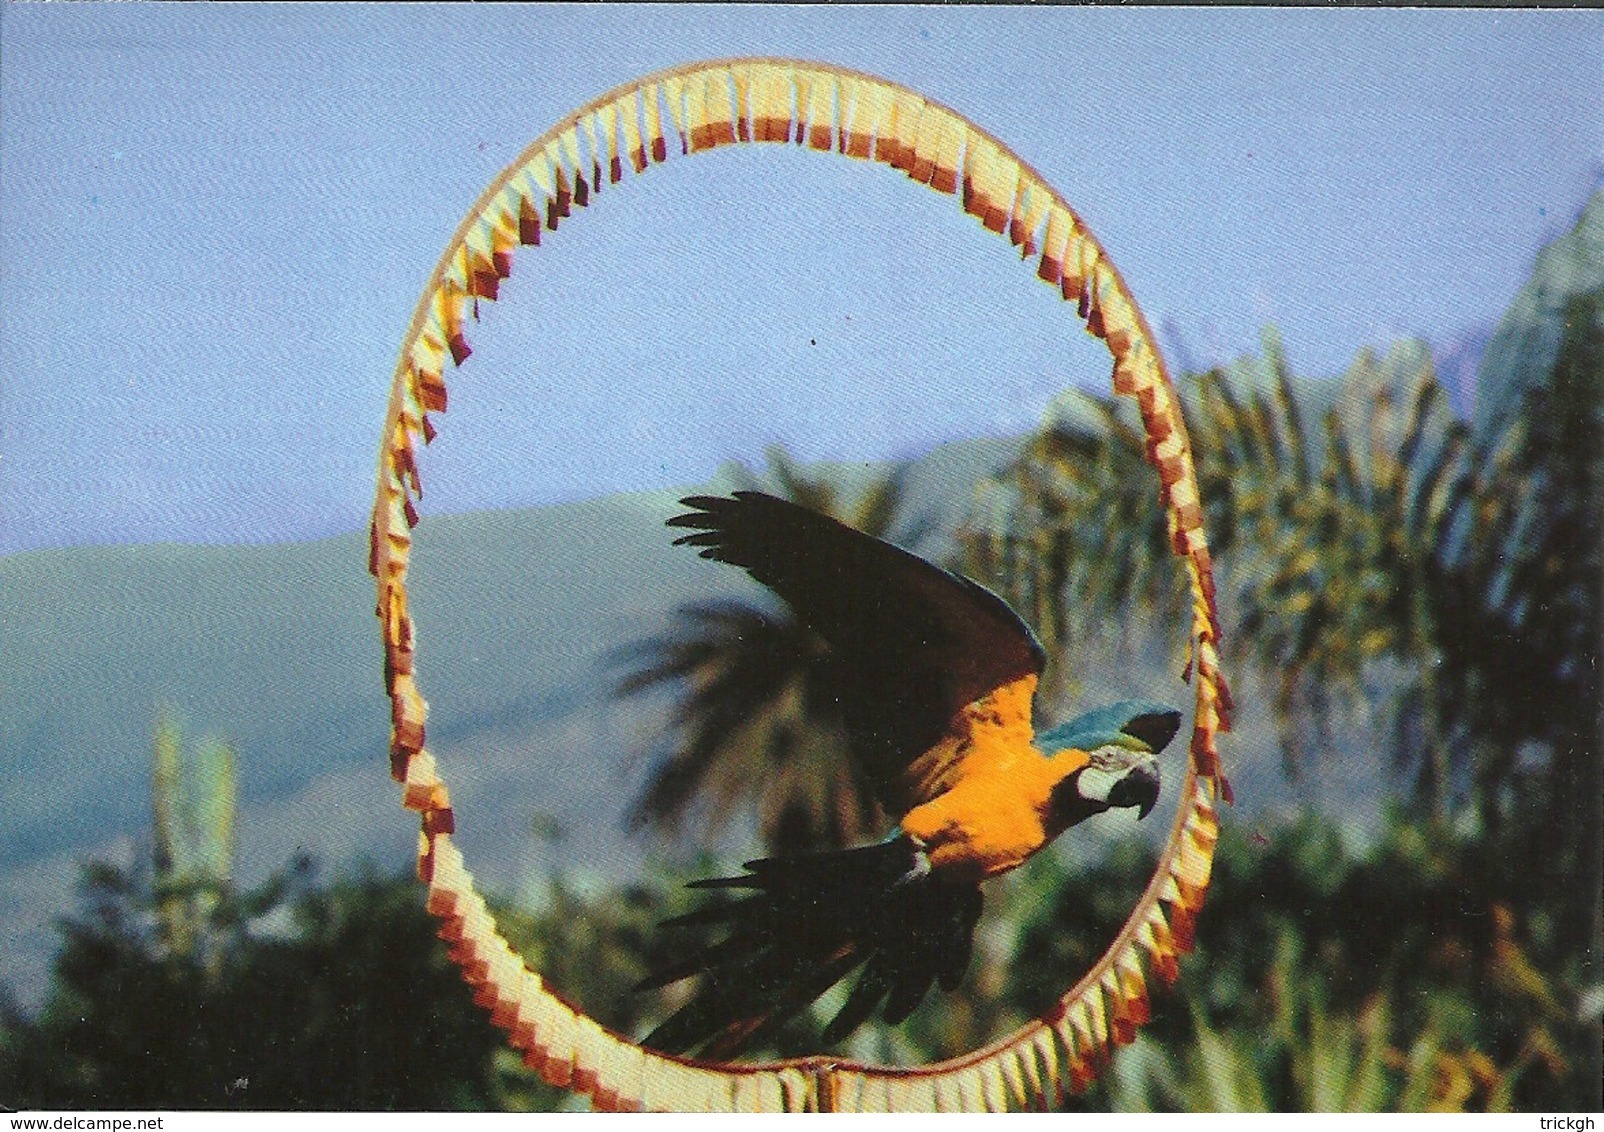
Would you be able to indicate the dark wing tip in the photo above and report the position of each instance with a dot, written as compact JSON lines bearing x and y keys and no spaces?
{"x":703,"y":502}
{"x":704,"y":511}
{"x":726,"y":882}
{"x":699,"y":538}
{"x":712,"y":504}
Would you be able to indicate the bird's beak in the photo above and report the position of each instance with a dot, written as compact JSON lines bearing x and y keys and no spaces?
{"x":1137,"y":787}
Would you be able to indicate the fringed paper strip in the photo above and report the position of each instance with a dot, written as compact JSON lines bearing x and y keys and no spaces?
{"x":711,"y":105}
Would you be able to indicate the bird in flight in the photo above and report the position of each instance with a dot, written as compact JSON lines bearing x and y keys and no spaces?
{"x":932,"y":678}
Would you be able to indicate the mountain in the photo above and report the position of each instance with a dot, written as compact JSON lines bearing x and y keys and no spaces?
{"x":275,"y":649}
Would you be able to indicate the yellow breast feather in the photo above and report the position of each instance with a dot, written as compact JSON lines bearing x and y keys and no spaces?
{"x":988,"y":788}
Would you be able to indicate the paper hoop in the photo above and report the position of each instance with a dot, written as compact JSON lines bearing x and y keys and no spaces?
{"x":691,"y":109}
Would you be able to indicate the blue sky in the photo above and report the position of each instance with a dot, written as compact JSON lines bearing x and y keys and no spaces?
{"x":215,"y":221}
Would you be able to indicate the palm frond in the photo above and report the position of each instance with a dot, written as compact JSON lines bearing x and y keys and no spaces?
{"x":1387,"y":538}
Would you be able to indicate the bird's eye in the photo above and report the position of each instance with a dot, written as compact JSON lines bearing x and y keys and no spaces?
{"x":1108,"y":755}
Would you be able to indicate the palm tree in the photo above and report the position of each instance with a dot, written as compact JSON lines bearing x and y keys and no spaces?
{"x":752,"y":727}
{"x":1530,"y":676}
{"x":193,"y":803}
{"x":1375,"y":555}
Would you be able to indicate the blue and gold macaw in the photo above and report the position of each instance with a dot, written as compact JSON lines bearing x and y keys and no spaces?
{"x":933,"y":676}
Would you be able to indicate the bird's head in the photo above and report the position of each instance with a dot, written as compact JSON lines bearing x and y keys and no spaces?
{"x":1122,"y":742}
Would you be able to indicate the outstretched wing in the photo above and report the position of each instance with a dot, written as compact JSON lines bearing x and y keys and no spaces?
{"x":910,"y":643}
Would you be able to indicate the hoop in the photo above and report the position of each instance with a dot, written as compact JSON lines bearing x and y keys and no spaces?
{"x":819,"y":107}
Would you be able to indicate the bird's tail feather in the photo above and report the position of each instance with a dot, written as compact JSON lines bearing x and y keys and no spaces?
{"x":805,"y":924}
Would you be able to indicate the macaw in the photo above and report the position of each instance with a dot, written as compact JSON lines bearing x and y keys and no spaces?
{"x":932,"y":676}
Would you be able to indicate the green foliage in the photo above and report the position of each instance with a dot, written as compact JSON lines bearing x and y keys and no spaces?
{"x":1535,"y":697}
{"x":1404,"y":977}
{"x":349,"y":1003}
{"x":1400,"y":978}
{"x":175,"y":989}
{"x":1415,"y":974}
{"x":1306,"y":1060}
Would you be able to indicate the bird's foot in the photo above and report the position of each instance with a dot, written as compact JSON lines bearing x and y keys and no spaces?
{"x":921,"y":864}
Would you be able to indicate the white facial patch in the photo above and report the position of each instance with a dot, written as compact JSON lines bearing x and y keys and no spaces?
{"x":1106,"y":767}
